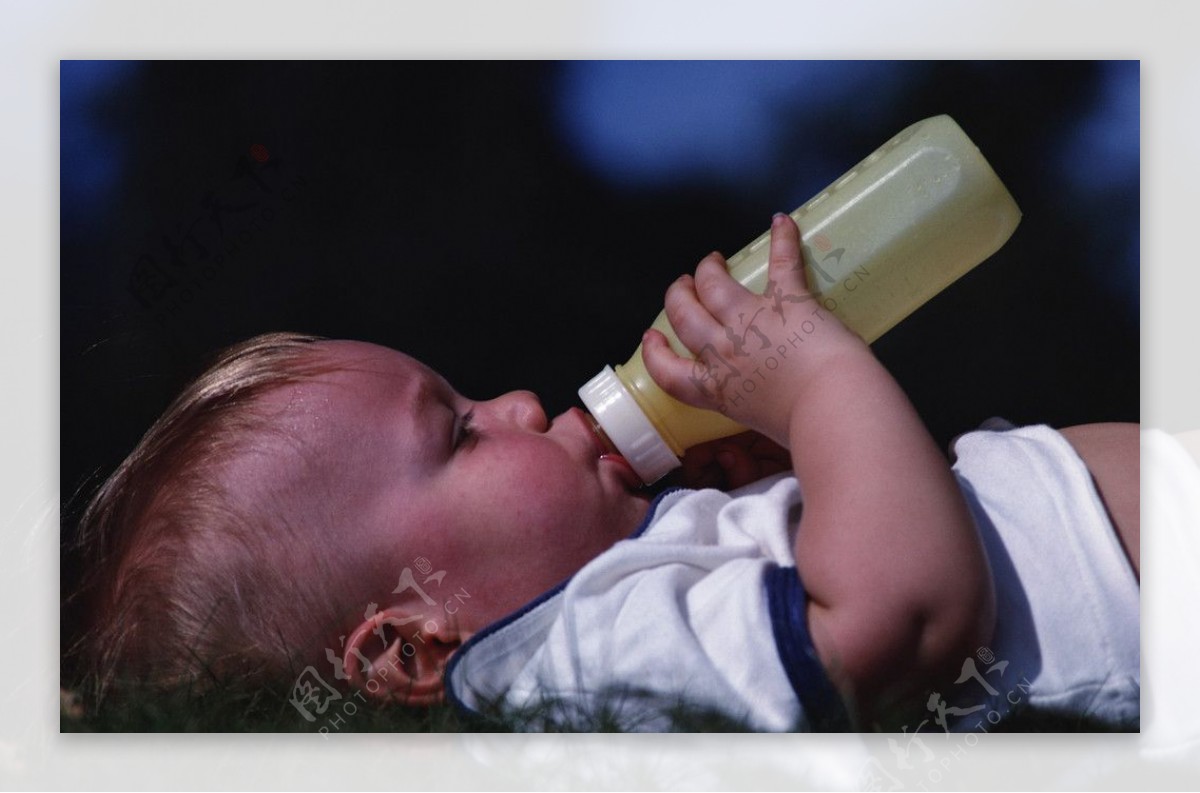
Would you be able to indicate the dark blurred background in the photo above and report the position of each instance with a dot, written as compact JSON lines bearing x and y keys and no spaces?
{"x":515,"y":225}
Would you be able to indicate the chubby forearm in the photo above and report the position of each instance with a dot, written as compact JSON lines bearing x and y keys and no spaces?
{"x":893,"y":565}
{"x":897,"y":580}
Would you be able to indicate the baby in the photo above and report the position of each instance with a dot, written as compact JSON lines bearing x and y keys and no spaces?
{"x":313,"y":504}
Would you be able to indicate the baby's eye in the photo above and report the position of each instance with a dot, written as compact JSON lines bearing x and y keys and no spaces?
{"x":464,"y":432}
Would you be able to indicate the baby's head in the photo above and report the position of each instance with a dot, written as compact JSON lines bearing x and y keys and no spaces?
{"x":307,"y":501}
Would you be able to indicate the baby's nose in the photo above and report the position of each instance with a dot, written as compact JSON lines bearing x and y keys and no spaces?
{"x":523,"y":409}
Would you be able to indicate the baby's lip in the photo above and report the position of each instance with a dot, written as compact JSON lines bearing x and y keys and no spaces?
{"x":606,"y":451}
{"x":601,"y":443}
{"x":600,"y":440}
{"x":625,"y":470}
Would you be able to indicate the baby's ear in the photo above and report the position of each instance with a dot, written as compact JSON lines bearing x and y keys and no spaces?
{"x":392,"y":656}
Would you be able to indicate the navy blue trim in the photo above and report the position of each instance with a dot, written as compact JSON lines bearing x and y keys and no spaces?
{"x":500,"y":624}
{"x":786,"y":601}
{"x":646,"y":521}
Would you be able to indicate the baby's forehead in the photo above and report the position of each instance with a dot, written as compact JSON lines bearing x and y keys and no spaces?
{"x":354,"y":378}
{"x":364,"y":409}
{"x":307,"y":455}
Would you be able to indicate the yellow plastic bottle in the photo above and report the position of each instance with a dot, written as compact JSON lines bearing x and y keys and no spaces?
{"x":891,"y":233}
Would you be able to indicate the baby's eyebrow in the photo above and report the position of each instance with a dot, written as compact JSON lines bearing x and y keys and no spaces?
{"x":428,"y":395}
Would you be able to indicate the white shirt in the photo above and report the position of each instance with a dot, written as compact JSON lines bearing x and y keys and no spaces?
{"x":703,"y":607}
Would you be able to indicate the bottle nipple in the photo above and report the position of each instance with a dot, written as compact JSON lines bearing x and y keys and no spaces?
{"x":623,"y":426}
{"x":605,"y":441}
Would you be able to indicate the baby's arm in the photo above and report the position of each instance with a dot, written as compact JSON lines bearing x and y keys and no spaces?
{"x":898,"y":584}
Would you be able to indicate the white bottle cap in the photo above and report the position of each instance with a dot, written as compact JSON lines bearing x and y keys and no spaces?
{"x":622,"y":419}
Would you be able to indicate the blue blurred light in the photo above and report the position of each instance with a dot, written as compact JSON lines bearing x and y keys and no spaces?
{"x":91,"y":153}
{"x":1104,"y":150}
{"x":650,"y":123}
{"x":1100,"y":163}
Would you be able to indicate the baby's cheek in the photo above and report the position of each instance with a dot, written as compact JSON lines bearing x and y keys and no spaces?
{"x":556,"y":498}
{"x":564,"y":525}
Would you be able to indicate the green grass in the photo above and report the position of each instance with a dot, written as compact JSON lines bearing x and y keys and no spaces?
{"x":234,"y":707}
{"x":240,"y":708}
{"x":244,"y":708}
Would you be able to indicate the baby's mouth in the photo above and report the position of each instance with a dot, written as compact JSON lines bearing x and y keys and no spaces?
{"x":608,"y":452}
{"x":625,"y":470}
{"x":606,"y":445}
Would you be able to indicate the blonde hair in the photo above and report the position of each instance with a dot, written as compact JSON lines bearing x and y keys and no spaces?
{"x":181,"y":583}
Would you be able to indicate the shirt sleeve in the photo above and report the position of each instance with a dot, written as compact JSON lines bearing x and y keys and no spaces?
{"x":786,"y":600}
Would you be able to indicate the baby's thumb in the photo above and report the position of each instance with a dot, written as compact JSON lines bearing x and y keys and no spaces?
{"x":785,"y":265}
{"x":740,"y":468}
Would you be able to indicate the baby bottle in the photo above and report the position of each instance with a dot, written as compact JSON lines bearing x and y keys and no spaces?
{"x":879,"y":242}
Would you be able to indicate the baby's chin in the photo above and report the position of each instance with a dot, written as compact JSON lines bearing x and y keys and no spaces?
{"x":638,"y":505}
{"x":614,"y":464}
{"x":605,"y":524}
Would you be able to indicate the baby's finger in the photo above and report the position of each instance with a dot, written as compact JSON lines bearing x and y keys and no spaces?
{"x":785,"y":266}
{"x":716,"y":289}
{"x":683,"y":378}
{"x":693,"y":323}
{"x":699,"y":457}
{"x":699,"y":469}
{"x":740,"y":468}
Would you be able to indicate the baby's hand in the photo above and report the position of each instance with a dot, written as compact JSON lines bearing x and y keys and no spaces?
{"x":729,"y":463}
{"x":752,"y":351}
